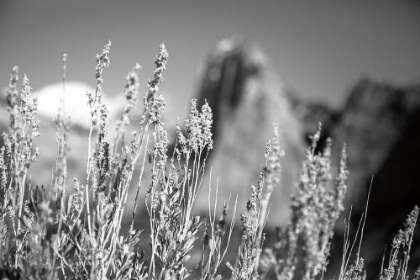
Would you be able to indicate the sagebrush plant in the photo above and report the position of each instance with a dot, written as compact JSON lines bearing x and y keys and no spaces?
{"x":88,"y":243}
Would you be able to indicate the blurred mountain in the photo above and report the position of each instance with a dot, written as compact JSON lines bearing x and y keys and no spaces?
{"x":380,"y":124}
{"x":246,"y":98}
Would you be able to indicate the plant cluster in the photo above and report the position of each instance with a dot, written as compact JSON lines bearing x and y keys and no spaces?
{"x":87,"y":242}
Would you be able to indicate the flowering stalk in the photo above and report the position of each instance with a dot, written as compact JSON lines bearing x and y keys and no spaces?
{"x":253,"y":221}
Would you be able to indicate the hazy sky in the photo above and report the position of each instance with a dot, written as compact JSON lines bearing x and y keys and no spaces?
{"x":320,"y":48}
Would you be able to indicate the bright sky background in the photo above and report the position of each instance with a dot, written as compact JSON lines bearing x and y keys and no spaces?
{"x":319,"y":48}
